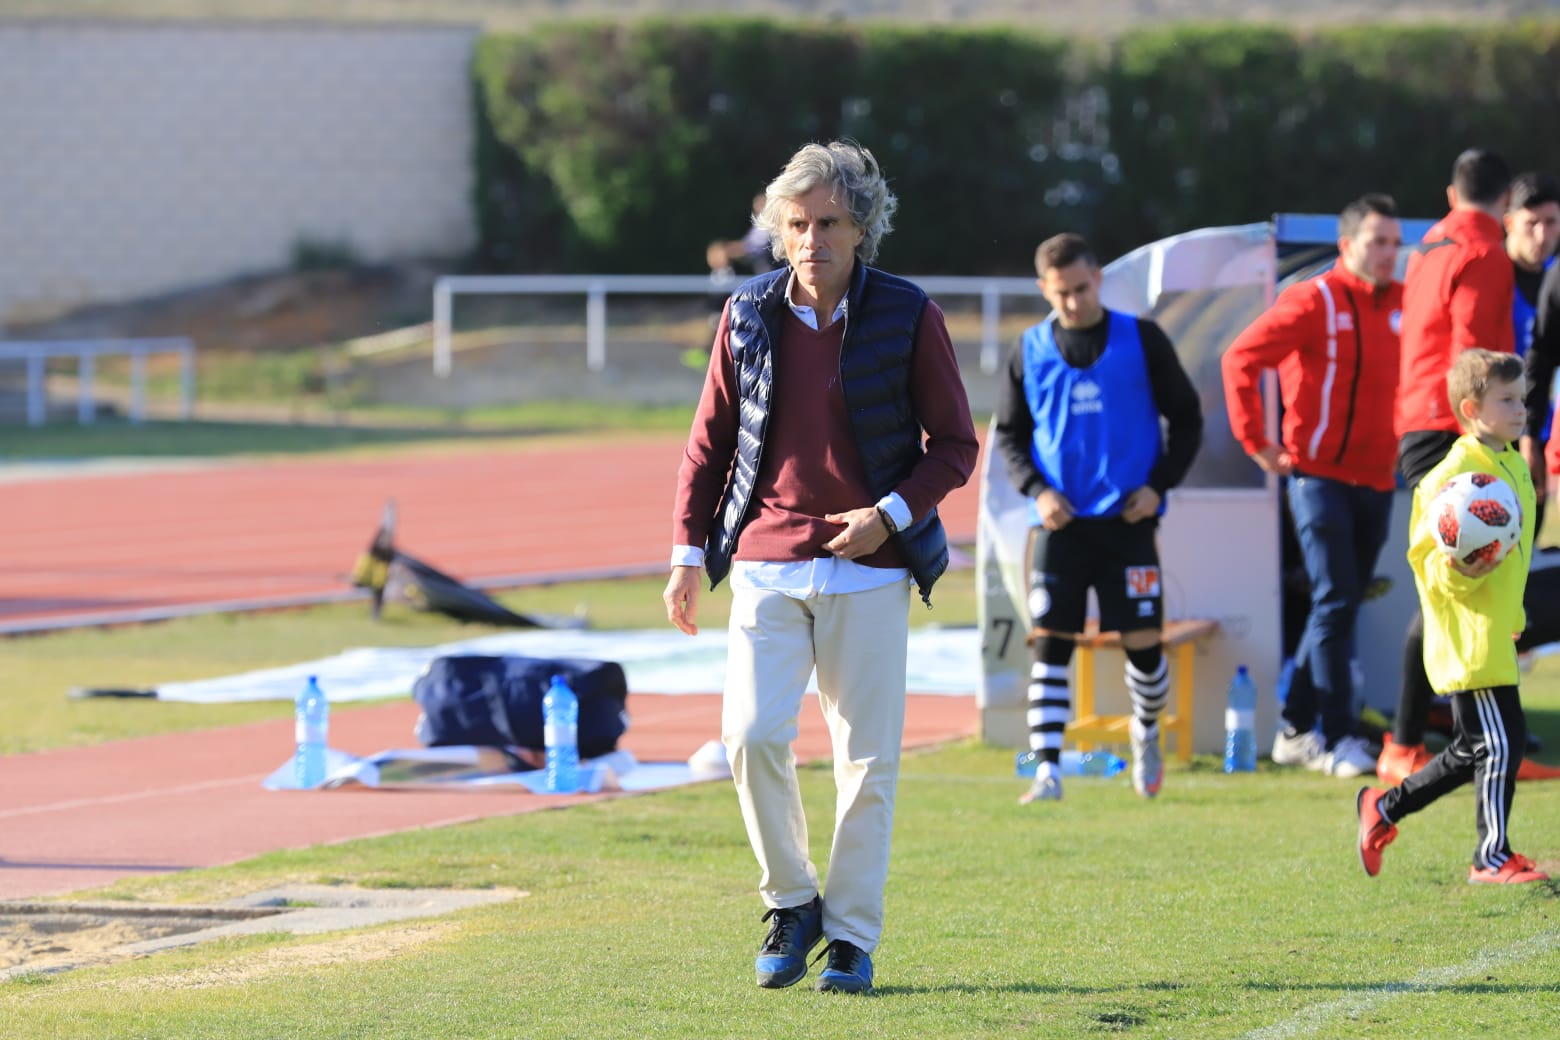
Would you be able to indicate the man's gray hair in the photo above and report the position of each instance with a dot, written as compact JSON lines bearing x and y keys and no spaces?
{"x":850,"y":169}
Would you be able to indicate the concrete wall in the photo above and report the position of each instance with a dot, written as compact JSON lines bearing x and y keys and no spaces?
{"x":138,"y":158}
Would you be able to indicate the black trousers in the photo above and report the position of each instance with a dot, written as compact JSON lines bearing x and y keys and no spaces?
{"x":1489,"y":733}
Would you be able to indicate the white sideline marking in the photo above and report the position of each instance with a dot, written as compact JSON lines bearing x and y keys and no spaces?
{"x":1308,"y":1020}
{"x":133,"y":796}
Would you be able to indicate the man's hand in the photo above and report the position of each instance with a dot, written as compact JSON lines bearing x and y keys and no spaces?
{"x":1054,"y":509}
{"x":864,"y":533}
{"x":1533,"y":455}
{"x":1140,"y":505}
{"x":682,"y":599}
{"x":1274,"y":460}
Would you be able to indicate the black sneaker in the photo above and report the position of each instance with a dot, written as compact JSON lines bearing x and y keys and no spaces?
{"x":793,"y":932}
{"x":849,"y":969}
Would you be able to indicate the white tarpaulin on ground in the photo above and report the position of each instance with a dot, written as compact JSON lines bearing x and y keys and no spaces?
{"x":465,"y":767}
{"x":940,"y":661}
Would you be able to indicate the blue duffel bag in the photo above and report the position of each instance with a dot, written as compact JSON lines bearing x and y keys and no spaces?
{"x":497,"y":701}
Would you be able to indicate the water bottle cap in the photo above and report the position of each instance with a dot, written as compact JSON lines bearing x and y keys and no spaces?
{"x":1240,"y":669}
{"x":559,"y":680}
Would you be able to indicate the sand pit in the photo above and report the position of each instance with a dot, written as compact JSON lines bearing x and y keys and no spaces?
{"x":42,"y":937}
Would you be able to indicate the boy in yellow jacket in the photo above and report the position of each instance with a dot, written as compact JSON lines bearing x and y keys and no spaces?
{"x":1473,"y":613}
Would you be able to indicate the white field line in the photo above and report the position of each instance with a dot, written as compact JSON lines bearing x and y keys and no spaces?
{"x":1352,"y":1004}
{"x":133,"y":796}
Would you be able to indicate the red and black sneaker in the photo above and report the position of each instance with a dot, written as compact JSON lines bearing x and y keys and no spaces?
{"x":1375,"y":832}
{"x":1517,"y":870}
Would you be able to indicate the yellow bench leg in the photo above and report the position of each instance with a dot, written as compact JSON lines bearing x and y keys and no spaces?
{"x":1083,"y":696}
{"x":1184,"y":687}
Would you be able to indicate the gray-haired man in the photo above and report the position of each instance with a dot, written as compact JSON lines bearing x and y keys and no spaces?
{"x":832,"y":422}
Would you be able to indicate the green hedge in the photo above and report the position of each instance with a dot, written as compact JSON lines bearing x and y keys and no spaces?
{"x":626,"y":147}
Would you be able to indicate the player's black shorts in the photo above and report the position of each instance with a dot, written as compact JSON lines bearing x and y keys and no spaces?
{"x":1120,"y":561}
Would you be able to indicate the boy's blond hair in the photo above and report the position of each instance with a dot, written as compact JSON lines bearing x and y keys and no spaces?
{"x":1474,"y":371}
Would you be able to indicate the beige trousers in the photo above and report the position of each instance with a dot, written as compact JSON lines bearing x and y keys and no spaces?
{"x":857,"y":641}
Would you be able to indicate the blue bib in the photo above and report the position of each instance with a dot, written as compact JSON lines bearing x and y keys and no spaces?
{"x":1097,"y":434}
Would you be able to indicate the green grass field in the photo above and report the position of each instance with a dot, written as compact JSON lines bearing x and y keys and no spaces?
{"x":313,"y":431}
{"x":1230,"y":906}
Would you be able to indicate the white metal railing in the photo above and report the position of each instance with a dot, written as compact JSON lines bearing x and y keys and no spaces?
{"x":596,"y":288}
{"x":36,"y":354}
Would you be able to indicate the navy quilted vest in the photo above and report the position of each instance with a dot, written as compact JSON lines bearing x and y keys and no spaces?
{"x":881,"y":316}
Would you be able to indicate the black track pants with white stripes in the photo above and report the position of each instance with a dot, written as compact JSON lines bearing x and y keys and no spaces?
{"x":1489,"y":733}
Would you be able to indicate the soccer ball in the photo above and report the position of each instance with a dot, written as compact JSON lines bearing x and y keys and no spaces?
{"x":1477,"y":517}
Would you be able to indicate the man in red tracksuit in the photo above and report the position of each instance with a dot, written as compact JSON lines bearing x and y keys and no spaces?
{"x":1457,"y":295}
{"x":1334,"y":341}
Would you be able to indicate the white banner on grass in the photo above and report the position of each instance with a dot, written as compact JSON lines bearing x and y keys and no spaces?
{"x":943,"y":661}
{"x":468,"y":768}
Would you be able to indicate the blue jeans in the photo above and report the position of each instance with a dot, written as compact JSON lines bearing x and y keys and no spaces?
{"x":1341,"y":528}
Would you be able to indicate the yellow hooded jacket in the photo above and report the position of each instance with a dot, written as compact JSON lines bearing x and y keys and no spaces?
{"x":1471,"y":623}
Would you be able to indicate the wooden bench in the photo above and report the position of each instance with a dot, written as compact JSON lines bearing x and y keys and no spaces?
{"x":1089,"y":728}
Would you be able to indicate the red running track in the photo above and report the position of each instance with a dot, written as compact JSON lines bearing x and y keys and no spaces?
{"x":83,"y":817}
{"x":101,"y":548}
{"x":134,"y":546}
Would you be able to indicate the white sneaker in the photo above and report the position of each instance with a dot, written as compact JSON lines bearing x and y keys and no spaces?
{"x":1047,"y":786}
{"x":1350,"y":757}
{"x":1301,"y":749}
{"x":1148,"y":767}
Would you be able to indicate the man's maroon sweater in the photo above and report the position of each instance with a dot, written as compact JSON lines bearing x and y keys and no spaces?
{"x":810,"y":466}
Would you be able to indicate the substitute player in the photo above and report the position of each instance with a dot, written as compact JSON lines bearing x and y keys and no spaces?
{"x":1078,"y":423}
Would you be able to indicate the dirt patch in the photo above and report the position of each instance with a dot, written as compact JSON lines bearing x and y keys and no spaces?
{"x":52,"y":937}
{"x":61,"y":940}
{"x":273,"y":961}
{"x":49,"y":937}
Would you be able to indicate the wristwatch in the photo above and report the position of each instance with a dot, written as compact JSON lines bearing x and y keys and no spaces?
{"x":888,"y":521}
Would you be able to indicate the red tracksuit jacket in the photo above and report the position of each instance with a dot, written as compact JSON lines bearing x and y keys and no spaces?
{"x":1456,"y":295}
{"x":1334,"y":341}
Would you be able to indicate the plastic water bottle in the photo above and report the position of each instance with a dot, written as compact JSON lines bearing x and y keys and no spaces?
{"x":1074,"y":763}
{"x":311,"y":717}
{"x":560,"y":732}
{"x":1240,"y":721}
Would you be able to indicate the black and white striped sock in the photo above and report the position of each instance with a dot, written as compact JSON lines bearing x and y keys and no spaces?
{"x":1050,"y":697}
{"x":1148,"y":683}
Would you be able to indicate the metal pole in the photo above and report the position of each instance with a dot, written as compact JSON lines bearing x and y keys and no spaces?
{"x":137,"y":387}
{"x":84,"y":405}
{"x":187,"y":380}
{"x":441,"y":328}
{"x":37,"y":390}
{"x":596,"y":327}
{"x":990,"y":328}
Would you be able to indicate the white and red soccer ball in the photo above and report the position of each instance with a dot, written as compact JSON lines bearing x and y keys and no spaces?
{"x":1476,"y":516}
